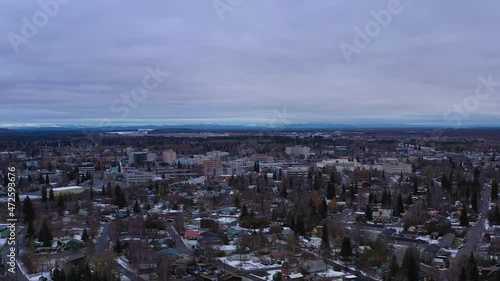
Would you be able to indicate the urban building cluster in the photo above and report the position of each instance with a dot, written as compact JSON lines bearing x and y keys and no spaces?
{"x":343,"y":205}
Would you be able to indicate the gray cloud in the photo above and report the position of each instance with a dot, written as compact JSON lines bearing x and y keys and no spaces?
{"x":264,"y":55}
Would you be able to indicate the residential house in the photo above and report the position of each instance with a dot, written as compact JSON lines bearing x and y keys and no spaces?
{"x":313,"y":266}
{"x":75,"y":245}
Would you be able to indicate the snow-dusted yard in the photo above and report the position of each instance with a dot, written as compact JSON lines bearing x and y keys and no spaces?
{"x":331,"y":273}
{"x":246,"y":265}
{"x":427,"y":239}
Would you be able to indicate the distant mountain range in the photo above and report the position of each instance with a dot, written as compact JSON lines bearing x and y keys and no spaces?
{"x":158,"y":129}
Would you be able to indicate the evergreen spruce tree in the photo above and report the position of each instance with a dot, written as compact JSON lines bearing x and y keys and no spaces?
{"x":368,"y":213}
{"x":44,"y":193}
{"x":137,"y":209}
{"x":45,"y":235}
{"x":85,"y":236}
{"x":60,"y":205}
{"x":58,"y":274}
{"x":393,"y":269}
{"x":323,"y":209}
{"x":41,"y":180}
{"x":411,"y":264}
{"x":30,"y":232}
{"x":244,"y":213}
{"x":474,"y":199}
{"x":299,"y":224}
{"x":118,"y":246}
{"x":399,"y":209}
{"x":28,"y":210}
{"x":122,"y":202}
{"x":464,"y":220}
{"x":330,"y":190}
{"x":346,"y":249}
{"x":494,"y":190}
{"x":325,"y":243}
{"x":51,"y":195}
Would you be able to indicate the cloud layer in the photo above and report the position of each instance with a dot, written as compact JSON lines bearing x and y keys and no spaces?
{"x":258,"y":58}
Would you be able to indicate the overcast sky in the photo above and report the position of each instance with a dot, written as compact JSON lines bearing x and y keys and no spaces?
{"x":257,"y":62}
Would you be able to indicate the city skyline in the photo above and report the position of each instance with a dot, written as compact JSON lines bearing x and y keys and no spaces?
{"x":249,"y":63}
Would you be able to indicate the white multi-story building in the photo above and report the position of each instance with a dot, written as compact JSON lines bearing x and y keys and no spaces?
{"x":169,"y":156}
{"x":298,"y":150}
{"x":138,"y":177}
{"x":397,"y":168}
{"x":230,"y":168}
{"x":85,"y":168}
{"x":341,"y":164}
{"x":199,"y":159}
{"x":151,"y":157}
{"x":217,"y":154}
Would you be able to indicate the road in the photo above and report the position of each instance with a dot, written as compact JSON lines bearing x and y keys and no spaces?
{"x":179,"y":244}
{"x":20,"y":241}
{"x":104,"y":239}
{"x":473,"y":236}
{"x":102,"y":245}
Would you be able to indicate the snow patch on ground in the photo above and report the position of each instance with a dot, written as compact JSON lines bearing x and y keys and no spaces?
{"x":398,"y":229}
{"x":427,"y":239}
{"x":331,"y":273}
{"x":486,"y":224}
{"x":453,"y":253}
{"x":246,"y":265}
{"x":271,"y":273}
{"x":37,"y":277}
{"x":125,"y":265}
